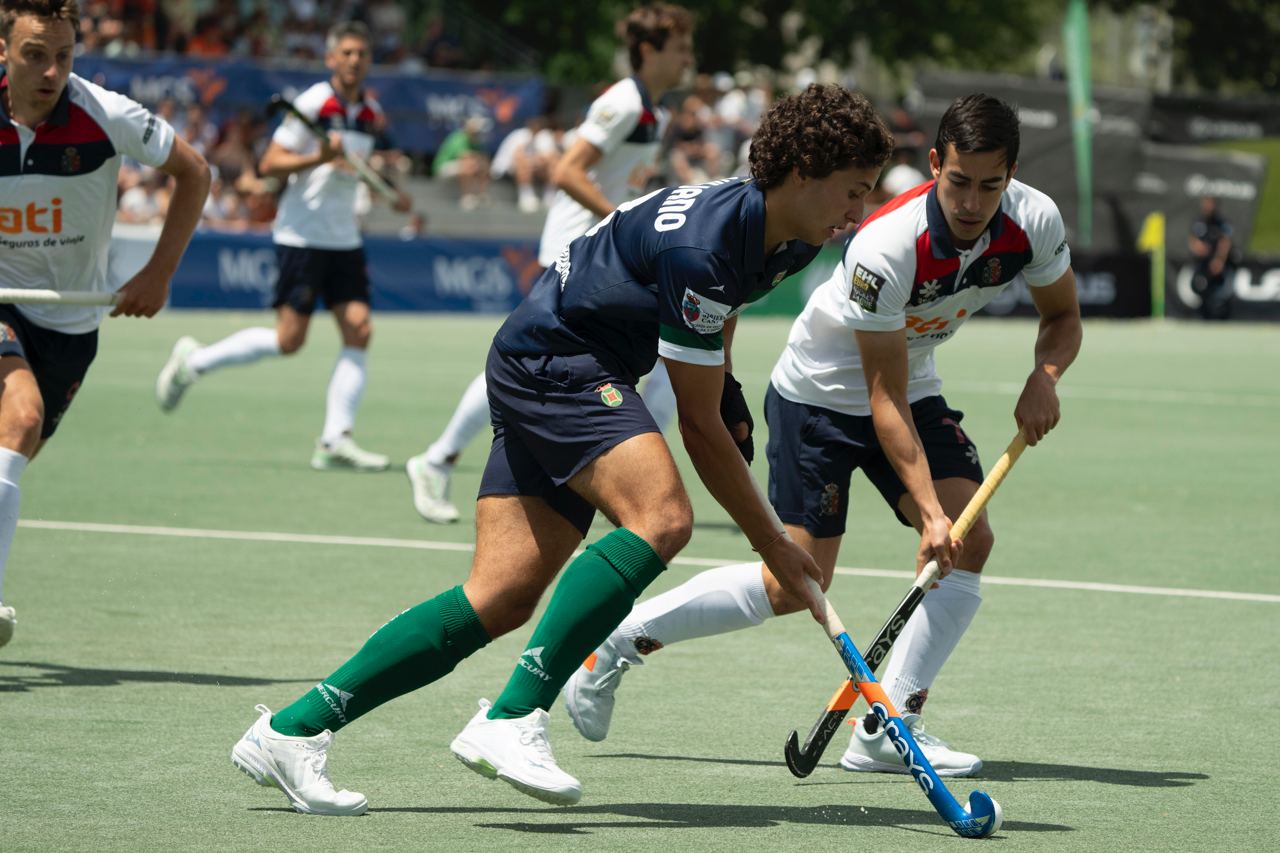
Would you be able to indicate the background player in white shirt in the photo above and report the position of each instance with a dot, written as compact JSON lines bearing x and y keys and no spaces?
{"x":856,"y":388}
{"x":622,"y":133}
{"x":61,"y":143}
{"x":319,"y":249}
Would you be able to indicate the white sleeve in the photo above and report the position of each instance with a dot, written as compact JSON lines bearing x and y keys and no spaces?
{"x":612,"y":117}
{"x":877,"y":280}
{"x":135,"y":131}
{"x":1050,"y":255}
{"x":292,"y":134}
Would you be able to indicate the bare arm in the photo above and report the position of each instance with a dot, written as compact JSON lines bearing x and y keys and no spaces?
{"x":571,"y":176}
{"x":884,"y":362}
{"x":280,"y":162}
{"x":726,"y":476}
{"x":1057,"y":345}
{"x":145,"y":293}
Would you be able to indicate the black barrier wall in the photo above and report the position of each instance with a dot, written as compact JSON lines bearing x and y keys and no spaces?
{"x":1108,"y":285}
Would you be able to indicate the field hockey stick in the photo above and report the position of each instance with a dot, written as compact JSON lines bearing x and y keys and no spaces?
{"x":280,"y":103}
{"x":983,"y":815}
{"x":23,"y":296}
{"x":802,"y":760}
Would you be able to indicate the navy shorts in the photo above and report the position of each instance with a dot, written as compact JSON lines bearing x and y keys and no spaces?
{"x":58,"y":360}
{"x":552,"y":416}
{"x":813,"y":453}
{"x":334,"y":275}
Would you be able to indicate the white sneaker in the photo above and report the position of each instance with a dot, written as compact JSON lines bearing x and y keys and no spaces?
{"x":349,"y":455}
{"x":8,"y":619}
{"x":874,"y":753}
{"x":176,"y":377}
{"x":295,"y":765}
{"x":430,"y":490}
{"x":588,"y":694}
{"x":517,"y":752}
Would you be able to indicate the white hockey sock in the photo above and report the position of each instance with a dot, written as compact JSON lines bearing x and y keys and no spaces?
{"x":714,"y":602}
{"x":931,"y":636}
{"x":12,"y":464}
{"x":468,"y":419}
{"x":659,"y":396}
{"x":243,"y":347}
{"x":346,"y":387}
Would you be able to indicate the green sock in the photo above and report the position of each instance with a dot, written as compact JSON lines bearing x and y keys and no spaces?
{"x":595,"y":594}
{"x":417,"y":647}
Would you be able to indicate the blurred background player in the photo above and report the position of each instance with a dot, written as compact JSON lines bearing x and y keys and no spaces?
{"x":1210,"y":242}
{"x":73,"y":136}
{"x":622,"y":133}
{"x":318,"y":247}
{"x":856,"y":388}
{"x":663,"y":276}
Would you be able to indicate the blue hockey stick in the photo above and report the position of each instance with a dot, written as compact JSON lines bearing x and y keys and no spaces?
{"x":983,"y":816}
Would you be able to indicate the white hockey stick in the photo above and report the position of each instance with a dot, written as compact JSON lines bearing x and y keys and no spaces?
{"x":32,"y":296}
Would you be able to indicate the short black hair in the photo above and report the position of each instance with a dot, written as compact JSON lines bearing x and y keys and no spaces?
{"x":64,"y":10}
{"x":977,"y":124}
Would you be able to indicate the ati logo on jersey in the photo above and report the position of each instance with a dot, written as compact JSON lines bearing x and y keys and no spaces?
{"x":32,"y":219}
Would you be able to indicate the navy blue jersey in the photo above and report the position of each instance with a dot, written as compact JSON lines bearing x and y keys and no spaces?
{"x":658,"y":276}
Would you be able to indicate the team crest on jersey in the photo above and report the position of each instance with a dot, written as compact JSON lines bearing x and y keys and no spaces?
{"x":830,"y":502}
{"x":864,"y":289}
{"x":6,"y":334}
{"x":991,"y":274}
{"x":610,"y":396}
{"x":70,"y":161}
{"x":705,"y":316}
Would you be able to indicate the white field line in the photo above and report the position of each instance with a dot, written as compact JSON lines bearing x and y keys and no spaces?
{"x":428,"y":545}
{"x":1126,"y":395}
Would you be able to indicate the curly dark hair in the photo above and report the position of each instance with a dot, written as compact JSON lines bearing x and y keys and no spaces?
{"x":66,"y":10}
{"x":821,"y":130}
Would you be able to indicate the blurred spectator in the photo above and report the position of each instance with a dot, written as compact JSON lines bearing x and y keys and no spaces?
{"x":1210,"y":242}
{"x":439,"y":48}
{"x":416,"y":227}
{"x":208,"y":39}
{"x":695,"y":159}
{"x":902,"y":174}
{"x":224,"y":209}
{"x":462,"y":158}
{"x":232,"y":155}
{"x":197,"y":130}
{"x":146,"y":201}
{"x":387,"y":21}
{"x":528,"y":156}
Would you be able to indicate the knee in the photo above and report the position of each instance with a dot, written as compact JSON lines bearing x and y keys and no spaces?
{"x":672,"y":529}
{"x":25,"y":420}
{"x":358,"y":336}
{"x":505,"y":610}
{"x":977,"y":547}
{"x":291,"y":343}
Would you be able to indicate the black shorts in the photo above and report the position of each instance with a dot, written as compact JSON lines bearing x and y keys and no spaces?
{"x":552,"y":416}
{"x":813,"y":452}
{"x":58,"y":360}
{"x":334,"y":275}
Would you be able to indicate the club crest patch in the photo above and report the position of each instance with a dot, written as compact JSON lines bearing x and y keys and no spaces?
{"x":70,"y":161}
{"x":830,"y":503}
{"x":864,"y":288}
{"x":610,"y":396}
{"x":7,"y":335}
{"x":991,"y":273}
{"x":705,"y":316}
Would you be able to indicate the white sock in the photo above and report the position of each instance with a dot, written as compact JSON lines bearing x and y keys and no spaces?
{"x":12,"y":464}
{"x":659,"y":397}
{"x":931,"y":636}
{"x":346,"y":387}
{"x":714,"y":602}
{"x":468,"y":419}
{"x":243,"y":347}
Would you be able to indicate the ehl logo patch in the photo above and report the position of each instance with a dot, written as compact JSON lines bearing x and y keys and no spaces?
{"x":991,"y":275}
{"x":70,"y":161}
{"x":610,"y":396}
{"x":692,"y":308}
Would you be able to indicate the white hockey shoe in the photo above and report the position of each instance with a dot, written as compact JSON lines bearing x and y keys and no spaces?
{"x":589,"y":692}
{"x":430,"y":490}
{"x":517,"y":752}
{"x":874,"y":753}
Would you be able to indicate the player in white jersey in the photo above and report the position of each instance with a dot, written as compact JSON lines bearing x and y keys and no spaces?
{"x":620,"y":137}
{"x":856,"y":388}
{"x":318,"y":247}
{"x":62,"y":140}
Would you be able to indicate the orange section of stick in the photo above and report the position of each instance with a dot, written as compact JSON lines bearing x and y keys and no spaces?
{"x":844,"y":697}
{"x":875,"y":693}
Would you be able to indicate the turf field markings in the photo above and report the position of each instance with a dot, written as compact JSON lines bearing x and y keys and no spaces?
{"x":700,"y":562}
